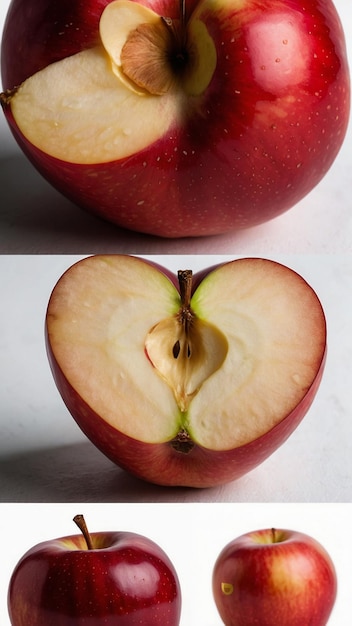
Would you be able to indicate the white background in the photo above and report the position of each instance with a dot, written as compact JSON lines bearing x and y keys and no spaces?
{"x":192,"y":536}
{"x":45,"y":457}
{"x":35,"y":218}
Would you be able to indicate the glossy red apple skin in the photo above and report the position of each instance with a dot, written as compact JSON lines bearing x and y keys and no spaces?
{"x":163,"y":463}
{"x":305,"y":593}
{"x":128,"y":582}
{"x":264,"y":137}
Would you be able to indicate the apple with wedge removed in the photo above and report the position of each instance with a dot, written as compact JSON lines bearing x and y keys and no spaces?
{"x":274,"y":577}
{"x":192,"y":385}
{"x":100,"y":579}
{"x":178,"y":118}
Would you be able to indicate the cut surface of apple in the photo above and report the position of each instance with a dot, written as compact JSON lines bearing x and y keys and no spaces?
{"x":59,"y":110}
{"x":111,"y":101}
{"x":221,"y":365}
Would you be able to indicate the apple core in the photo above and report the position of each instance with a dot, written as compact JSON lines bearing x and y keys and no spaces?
{"x":184,"y":349}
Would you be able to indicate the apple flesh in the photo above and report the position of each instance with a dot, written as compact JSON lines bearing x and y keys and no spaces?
{"x":274,"y":577}
{"x":189,"y":385}
{"x":123,"y":578}
{"x":178,"y":121}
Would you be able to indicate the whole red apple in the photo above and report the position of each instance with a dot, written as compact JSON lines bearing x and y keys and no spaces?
{"x":178,"y":118}
{"x":274,"y":578}
{"x":105,"y":579}
{"x":191,"y":384}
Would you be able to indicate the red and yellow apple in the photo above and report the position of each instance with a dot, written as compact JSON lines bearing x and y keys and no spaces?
{"x":188,"y":384}
{"x":101,"y":578}
{"x":274,"y":577}
{"x":178,"y":118}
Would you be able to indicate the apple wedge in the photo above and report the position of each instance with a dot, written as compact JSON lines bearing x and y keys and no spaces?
{"x":191,"y":381}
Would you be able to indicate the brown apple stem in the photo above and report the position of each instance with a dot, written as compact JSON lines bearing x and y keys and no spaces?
{"x":81,"y":523}
{"x":277,"y":536}
{"x":179,"y":32}
{"x":6,"y":96}
{"x":185,"y":282}
{"x":183,"y":19}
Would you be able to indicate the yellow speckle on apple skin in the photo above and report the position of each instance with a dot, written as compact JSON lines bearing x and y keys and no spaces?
{"x":227,"y":589}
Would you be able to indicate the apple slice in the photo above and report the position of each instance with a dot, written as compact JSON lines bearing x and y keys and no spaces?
{"x":103,"y":104}
{"x":182,"y":385}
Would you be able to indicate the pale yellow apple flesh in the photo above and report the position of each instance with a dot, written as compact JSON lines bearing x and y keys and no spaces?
{"x":77,"y":110}
{"x":109,"y":102}
{"x":257,"y":344}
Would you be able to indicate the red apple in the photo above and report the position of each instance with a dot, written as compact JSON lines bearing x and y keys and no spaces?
{"x":178,"y":118}
{"x":274,"y":578}
{"x":192,"y":387}
{"x":115,"y":579}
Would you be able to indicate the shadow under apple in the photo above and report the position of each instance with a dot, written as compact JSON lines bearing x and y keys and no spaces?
{"x":81,"y":473}
{"x":35,"y":218}
{"x":74,"y":473}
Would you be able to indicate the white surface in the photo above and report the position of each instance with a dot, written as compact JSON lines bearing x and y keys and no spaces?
{"x":36,"y":218}
{"x":45,"y":457}
{"x":191,"y":535}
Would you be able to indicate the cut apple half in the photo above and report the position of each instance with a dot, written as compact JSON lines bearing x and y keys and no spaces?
{"x":215,"y":368}
{"x":111,"y":101}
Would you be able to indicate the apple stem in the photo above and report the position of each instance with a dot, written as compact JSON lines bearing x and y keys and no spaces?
{"x":185,"y":282}
{"x":276,"y":535}
{"x":183,"y":20}
{"x":6,"y":96}
{"x":179,"y":34}
{"x":81,"y":523}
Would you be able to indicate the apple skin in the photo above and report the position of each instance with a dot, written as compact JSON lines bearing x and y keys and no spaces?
{"x":286,"y":583}
{"x":162,"y":463}
{"x":126,"y":581}
{"x":264,"y":137}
